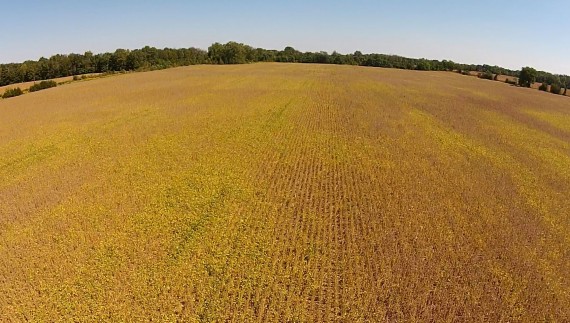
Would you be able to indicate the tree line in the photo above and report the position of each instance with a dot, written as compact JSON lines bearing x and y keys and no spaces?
{"x":147,"y":58}
{"x":554,"y":83}
{"x":150,"y":58}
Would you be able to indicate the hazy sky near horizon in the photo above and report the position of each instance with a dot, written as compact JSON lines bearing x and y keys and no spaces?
{"x":507,"y":33}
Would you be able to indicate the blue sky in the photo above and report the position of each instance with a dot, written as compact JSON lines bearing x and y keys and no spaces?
{"x":508,"y":33}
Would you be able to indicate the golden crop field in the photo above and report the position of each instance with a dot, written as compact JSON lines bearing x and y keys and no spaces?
{"x":285,"y":193}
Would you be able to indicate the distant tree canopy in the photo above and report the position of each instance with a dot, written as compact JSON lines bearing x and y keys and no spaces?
{"x":230,"y":53}
{"x":527,"y":76}
{"x":150,"y":58}
{"x":147,"y":58}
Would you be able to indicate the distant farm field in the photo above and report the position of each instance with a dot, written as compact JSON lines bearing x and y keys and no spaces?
{"x":285,"y":193}
{"x":26,"y":85}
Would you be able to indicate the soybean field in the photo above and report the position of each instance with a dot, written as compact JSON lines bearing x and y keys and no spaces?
{"x":276,"y":192}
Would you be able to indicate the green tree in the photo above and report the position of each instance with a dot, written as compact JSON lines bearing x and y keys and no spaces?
{"x":216,"y":53}
{"x":229,"y":53}
{"x":118,"y":60}
{"x":423,"y":65}
{"x":135,"y":59}
{"x":448,"y":65}
{"x":12,"y":92}
{"x":358,"y":57}
{"x":235,"y":53}
{"x":289,"y":54}
{"x":527,"y":76}
{"x":486,"y":75}
{"x":43,"y":85}
{"x":337,"y":58}
{"x":543,"y":87}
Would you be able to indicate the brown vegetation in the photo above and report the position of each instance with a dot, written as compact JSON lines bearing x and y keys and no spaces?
{"x":285,"y":193}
